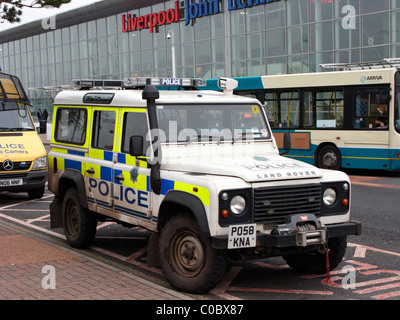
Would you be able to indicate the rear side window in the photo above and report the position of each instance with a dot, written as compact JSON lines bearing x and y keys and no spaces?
{"x":71,"y":126}
{"x":103,"y":129}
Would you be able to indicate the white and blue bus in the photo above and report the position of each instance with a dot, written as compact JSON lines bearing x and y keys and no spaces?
{"x":337,"y":119}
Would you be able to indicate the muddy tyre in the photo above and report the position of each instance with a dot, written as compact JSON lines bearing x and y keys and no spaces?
{"x":36,"y":193}
{"x":315,"y":263}
{"x":187,"y":258}
{"x":79,"y":223}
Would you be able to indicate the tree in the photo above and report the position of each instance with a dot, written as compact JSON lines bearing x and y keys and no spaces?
{"x":11,"y":10}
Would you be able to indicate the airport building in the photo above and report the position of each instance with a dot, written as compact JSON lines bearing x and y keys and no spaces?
{"x":114,"y":39}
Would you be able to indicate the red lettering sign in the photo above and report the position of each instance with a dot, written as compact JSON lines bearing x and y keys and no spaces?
{"x":150,"y":21}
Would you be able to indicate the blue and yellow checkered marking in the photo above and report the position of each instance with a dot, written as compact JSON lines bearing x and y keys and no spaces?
{"x":142,"y":184}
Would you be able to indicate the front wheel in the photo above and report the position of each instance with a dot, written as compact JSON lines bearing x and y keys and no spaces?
{"x":36,"y":193}
{"x":79,"y":223}
{"x":187,"y":258}
{"x":315,"y":263}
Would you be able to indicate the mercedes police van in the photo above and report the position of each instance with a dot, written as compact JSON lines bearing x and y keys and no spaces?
{"x":200,"y":169}
{"x":23,"y":158}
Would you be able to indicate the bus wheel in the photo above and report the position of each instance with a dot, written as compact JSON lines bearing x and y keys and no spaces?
{"x":329,"y":158}
{"x":79,"y":223}
{"x":187,"y":258}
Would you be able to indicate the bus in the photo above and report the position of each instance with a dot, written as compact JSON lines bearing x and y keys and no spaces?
{"x":347,"y":118}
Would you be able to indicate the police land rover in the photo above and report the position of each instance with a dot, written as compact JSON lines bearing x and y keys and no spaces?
{"x":201,"y":170}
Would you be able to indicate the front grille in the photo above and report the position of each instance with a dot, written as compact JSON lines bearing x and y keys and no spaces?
{"x":17,"y":166}
{"x":272,"y":205}
{"x":13,"y":175}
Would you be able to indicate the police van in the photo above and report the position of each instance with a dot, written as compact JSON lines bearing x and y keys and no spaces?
{"x":200,"y":169}
{"x":23,"y":158}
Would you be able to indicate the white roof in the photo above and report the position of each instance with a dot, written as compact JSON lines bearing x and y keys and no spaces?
{"x":133,"y":98}
{"x":334,"y":78}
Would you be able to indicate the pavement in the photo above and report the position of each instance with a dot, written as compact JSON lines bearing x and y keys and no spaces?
{"x":36,"y":268}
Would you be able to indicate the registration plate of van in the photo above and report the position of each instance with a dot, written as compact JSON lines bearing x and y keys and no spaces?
{"x":11,"y":183}
{"x":242,"y":236}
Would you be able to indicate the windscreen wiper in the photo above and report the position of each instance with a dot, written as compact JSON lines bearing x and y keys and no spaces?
{"x":4,"y":129}
{"x":208,"y":136}
{"x":244,"y":134}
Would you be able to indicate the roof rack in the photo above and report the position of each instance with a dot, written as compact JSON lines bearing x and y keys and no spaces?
{"x":385,"y":63}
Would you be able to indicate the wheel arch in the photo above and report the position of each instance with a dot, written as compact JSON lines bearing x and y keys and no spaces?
{"x":73,"y":178}
{"x":176,"y":202}
{"x":69,"y":179}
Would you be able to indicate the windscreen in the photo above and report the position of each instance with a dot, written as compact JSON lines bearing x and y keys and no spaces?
{"x":188,"y":123}
{"x":14,"y":116}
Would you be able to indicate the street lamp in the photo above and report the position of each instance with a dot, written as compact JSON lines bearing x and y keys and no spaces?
{"x":170,"y":36}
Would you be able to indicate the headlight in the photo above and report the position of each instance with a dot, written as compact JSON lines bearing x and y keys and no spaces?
{"x":238,"y":204}
{"x":40,"y":163}
{"x":329,"y":196}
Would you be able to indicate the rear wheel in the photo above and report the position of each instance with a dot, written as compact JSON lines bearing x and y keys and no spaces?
{"x":79,"y":223}
{"x":187,"y":258}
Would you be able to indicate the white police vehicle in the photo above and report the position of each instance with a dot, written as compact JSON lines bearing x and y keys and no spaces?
{"x":200,"y":169}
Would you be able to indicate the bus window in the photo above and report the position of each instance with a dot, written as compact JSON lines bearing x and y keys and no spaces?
{"x":283,"y":109}
{"x":370,"y":111}
{"x":323,"y":108}
{"x":250,"y":94}
{"x":397,"y":110}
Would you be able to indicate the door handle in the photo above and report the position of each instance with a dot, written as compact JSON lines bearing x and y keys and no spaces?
{"x":119,"y":178}
{"x":90,"y":171}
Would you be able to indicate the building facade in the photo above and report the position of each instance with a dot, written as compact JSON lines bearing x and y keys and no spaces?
{"x":114,"y":39}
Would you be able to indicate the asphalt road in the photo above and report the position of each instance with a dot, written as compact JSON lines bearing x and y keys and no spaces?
{"x":374,"y":256}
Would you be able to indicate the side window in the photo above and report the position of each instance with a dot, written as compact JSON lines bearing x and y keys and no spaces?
{"x":103,"y":129}
{"x":71,"y":126}
{"x":324,"y":108}
{"x":283,"y":109}
{"x":370,"y":111}
{"x":135,"y":124}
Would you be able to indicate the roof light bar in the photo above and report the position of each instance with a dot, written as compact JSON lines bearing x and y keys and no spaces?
{"x":97,"y":83}
{"x":139,"y":82}
{"x":170,"y":82}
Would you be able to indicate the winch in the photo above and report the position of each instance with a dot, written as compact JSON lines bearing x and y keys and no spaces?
{"x":305,"y":227}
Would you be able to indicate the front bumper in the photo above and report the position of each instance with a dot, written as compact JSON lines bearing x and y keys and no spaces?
{"x":31,"y":180}
{"x":297,"y":238}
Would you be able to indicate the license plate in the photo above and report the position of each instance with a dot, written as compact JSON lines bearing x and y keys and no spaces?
{"x":11,"y":183}
{"x":242,"y":236}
